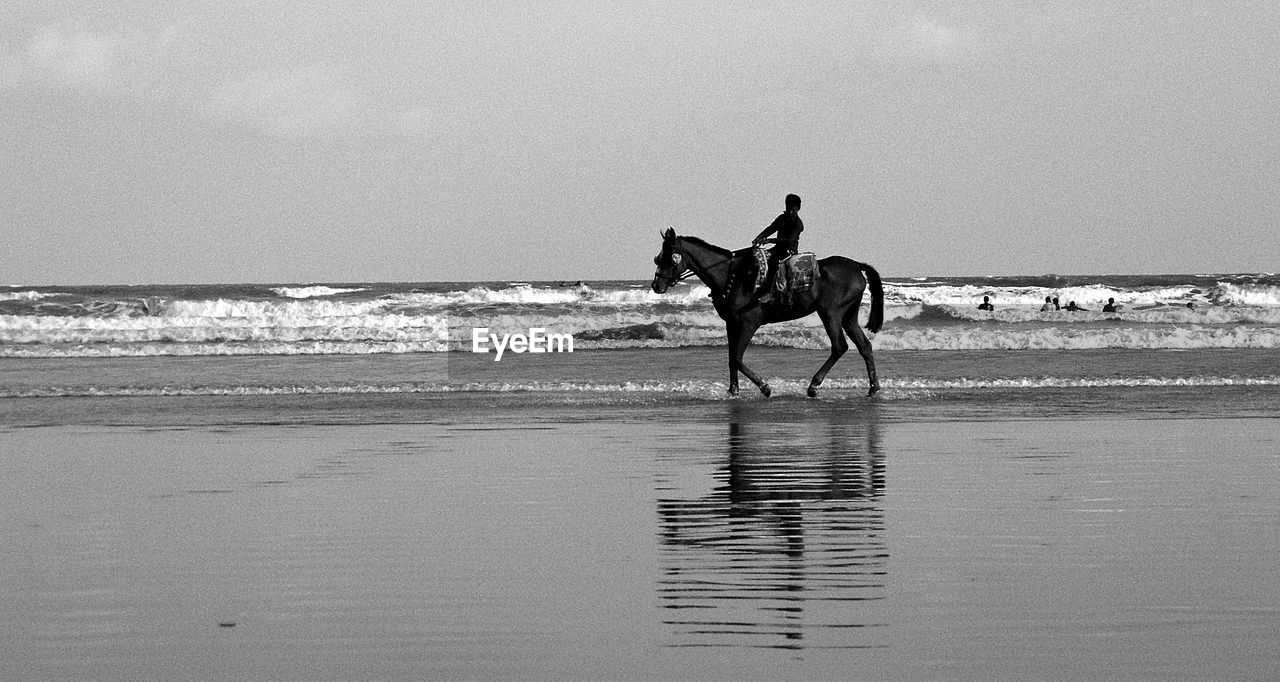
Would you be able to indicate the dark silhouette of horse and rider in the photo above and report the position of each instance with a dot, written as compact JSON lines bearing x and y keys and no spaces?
{"x":746,"y":300}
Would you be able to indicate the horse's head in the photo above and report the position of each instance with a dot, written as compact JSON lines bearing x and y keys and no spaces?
{"x":671,"y":263}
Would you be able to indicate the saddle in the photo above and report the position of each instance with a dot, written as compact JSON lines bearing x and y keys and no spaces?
{"x":796,"y":273}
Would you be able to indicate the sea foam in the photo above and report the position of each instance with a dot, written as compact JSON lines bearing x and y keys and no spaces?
{"x":700,"y":389}
{"x":1229,"y":311}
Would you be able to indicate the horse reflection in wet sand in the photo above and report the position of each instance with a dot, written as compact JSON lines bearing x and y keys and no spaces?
{"x":787,"y":549}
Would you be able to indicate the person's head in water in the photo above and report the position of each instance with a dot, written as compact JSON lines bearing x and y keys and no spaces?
{"x":793,"y":202}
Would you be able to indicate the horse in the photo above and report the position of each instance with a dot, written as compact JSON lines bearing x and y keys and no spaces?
{"x":836,"y":296}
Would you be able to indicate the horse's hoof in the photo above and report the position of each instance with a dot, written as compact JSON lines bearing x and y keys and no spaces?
{"x":766,"y":390}
{"x":813,"y":391}
{"x":733,"y":391}
{"x":875,"y":388}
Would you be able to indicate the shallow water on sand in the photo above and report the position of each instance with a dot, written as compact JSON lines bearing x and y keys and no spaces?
{"x":759,"y":539}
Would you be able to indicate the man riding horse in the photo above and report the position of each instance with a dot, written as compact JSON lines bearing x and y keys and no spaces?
{"x":730,"y":276}
{"x":788,"y":226}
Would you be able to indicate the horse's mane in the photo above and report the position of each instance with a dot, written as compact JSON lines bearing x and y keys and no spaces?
{"x":705,"y":243}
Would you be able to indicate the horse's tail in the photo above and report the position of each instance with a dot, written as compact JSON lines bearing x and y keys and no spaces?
{"x":876,"y":318}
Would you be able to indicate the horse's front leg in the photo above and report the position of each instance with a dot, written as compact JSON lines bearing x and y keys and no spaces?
{"x":734,"y":333}
{"x":738,"y":348}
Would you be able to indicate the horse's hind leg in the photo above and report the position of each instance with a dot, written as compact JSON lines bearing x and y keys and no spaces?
{"x":863,"y":344}
{"x":838,"y":348}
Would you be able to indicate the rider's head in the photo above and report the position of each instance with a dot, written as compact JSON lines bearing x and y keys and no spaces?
{"x":793,"y":202}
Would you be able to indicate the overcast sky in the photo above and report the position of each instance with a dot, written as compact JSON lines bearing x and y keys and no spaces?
{"x":261,"y":141}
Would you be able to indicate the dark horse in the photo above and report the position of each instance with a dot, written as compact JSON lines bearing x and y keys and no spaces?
{"x":731,"y":276}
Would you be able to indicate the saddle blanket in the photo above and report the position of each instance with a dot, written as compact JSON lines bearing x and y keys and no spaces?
{"x":796,"y":273}
{"x":762,"y":266}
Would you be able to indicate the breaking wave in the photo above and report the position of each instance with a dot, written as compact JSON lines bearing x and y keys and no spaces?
{"x":1225,"y":311}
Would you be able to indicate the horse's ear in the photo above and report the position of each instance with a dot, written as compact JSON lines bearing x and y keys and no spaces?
{"x":670,"y":233}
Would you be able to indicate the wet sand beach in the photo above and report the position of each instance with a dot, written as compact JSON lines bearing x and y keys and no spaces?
{"x":742,"y":539}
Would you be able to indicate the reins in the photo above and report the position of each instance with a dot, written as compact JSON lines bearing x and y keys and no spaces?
{"x":728,"y":280}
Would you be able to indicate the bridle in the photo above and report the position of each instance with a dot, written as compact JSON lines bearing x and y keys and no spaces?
{"x":678,"y":260}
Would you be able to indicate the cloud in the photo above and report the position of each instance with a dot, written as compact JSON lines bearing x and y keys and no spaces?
{"x":145,"y":68}
{"x":308,"y":101}
{"x":930,"y":38}
{"x":84,"y":60}
{"x":291,"y":103}
{"x":414,"y":121}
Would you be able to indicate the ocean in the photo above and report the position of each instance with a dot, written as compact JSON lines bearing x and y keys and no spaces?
{"x":379,"y":338}
{"x":326,"y":481}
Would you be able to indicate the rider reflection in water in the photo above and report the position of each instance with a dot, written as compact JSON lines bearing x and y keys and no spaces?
{"x":788,"y":226}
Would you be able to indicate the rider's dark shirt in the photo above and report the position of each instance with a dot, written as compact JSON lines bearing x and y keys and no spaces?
{"x":788,"y":226}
